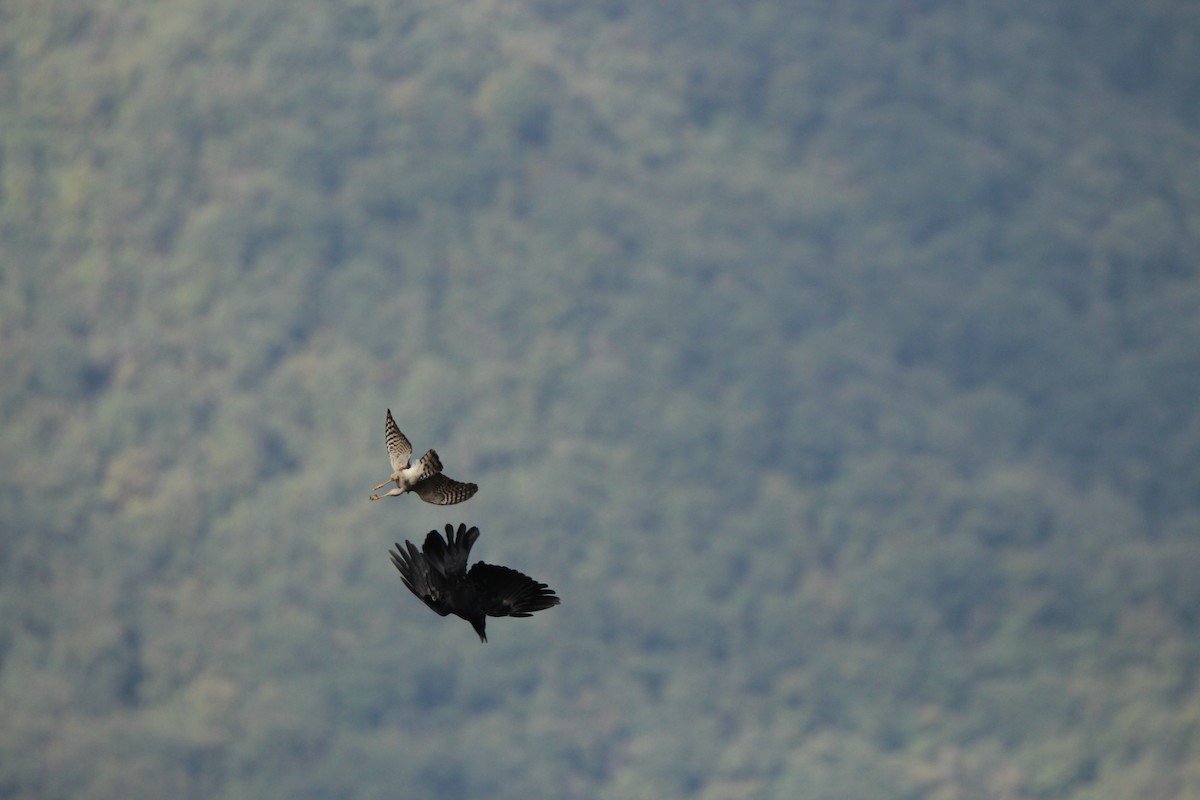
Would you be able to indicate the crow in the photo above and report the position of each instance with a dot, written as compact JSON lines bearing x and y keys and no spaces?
{"x":437,"y":573}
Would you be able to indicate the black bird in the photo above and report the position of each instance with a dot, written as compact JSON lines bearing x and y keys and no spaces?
{"x":438,"y":575}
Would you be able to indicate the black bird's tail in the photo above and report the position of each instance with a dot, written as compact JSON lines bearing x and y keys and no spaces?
{"x":449,"y":557}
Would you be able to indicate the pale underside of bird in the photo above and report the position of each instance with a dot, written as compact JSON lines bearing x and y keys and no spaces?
{"x":437,"y":573}
{"x":424,"y":478}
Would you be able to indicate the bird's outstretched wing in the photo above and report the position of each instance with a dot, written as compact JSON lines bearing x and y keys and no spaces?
{"x":443,"y":491}
{"x":504,"y":592}
{"x":425,"y":583}
{"x":399,"y":448}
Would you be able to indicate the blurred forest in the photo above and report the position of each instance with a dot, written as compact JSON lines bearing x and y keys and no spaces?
{"x":836,"y":362}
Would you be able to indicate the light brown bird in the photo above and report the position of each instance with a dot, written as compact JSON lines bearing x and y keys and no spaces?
{"x":424,"y":478}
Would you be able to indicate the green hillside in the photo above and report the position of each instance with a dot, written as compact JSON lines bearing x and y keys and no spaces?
{"x":836,"y":363}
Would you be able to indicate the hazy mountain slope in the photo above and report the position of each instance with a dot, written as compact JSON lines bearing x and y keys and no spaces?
{"x":835,"y":364}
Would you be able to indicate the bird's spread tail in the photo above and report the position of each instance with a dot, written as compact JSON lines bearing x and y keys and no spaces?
{"x":449,"y":557}
{"x":430,"y":464}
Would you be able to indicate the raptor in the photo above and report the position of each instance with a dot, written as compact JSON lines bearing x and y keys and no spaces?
{"x":424,"y":478}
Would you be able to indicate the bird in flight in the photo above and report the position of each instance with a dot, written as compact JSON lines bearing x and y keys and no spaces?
{"x":424,"y":478}
{"x":437,"y":573}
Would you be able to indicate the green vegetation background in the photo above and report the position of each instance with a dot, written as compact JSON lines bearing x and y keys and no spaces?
{"x":837,"y":362}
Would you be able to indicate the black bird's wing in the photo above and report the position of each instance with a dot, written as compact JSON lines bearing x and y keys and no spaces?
{"x":504,"y":592}
{"x":425,"y":583}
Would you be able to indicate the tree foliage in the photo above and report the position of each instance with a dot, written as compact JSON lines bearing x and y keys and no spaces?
{"x":835,"y":363}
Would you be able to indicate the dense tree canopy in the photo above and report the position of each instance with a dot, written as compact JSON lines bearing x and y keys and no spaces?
{"x":835,"y":362}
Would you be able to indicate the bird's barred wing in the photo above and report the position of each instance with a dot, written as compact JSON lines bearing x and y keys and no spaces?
{"x":419,"y":578}
{"x":504,"y":592}
{"x":443,"y":491}
{"x":399,"y":448}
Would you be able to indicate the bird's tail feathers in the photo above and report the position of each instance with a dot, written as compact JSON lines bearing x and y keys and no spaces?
{"x":449,"y":556}
{"x":430,"y":464}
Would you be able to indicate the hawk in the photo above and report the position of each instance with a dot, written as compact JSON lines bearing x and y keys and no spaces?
{"x":424,"y":478}
{"x":437,"y":573}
